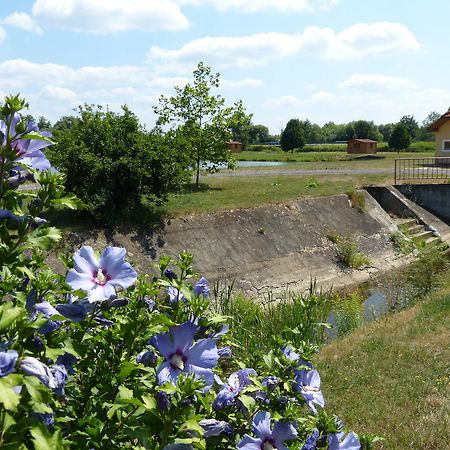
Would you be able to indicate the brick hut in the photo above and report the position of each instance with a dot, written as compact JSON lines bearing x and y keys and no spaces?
{"x":235,"y":146}
{"x":441,"y":128}
{"x":361,"y":146}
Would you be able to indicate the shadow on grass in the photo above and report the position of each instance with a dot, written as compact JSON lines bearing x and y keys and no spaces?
{"x":192,"y":188}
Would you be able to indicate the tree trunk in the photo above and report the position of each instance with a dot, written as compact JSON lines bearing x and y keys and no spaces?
{"x":198,"y":171}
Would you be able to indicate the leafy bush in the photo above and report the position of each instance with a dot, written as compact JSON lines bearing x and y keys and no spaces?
{"x":112,"y":164}
{"x":104,"y":358}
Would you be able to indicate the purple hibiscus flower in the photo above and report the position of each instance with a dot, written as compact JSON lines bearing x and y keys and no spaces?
{"x":201,"y":288}
{"x":183,"y":355}
{"x":266,"y":437}
{"x":7,"y":362}
{"x":28,"y":151}
{"x":175,"y":295}
{"x":54,"y":377}
{"x":100,"y":277}
{"x":308,"y":384}
{"x":237,"y":381}
{"x":310,"y":443}
{"x":48,"y":311}
{"x":339,"y":441}
{"x":213,"y":427}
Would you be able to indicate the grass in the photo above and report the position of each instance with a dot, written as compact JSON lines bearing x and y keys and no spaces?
{"x":347,"y":252}
{"x":394,"y":376}
{"x":258,"y":327}
{"x":243,"y":192}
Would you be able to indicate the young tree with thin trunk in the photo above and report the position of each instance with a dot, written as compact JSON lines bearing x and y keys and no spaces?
{"x":201,"y":119}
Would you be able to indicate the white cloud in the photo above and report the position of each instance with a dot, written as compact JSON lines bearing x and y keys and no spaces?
{"x":377,"y":82}
{"x":262,"y":48}
{"x":285,"y":101}
{"x":57,"y":93}
{"x":247,"y":83}
{"x":109,"y":16}
{"x":2,"y":34}
{"x":23,"y":21}
{"x":249,"y":6}
{"x":54,"y":90}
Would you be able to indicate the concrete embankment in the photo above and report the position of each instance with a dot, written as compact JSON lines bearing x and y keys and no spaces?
{"x":269,"y":248}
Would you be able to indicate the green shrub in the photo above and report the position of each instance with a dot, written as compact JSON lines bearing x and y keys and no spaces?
{"x":347,"y":252}
{"x":112,"y":164}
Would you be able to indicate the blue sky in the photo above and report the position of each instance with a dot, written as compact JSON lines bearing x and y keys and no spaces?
{"x":325,"y":60}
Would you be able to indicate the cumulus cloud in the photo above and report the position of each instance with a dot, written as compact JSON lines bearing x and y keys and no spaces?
{"x":262,"y":48}
{"x":57,"y":93}
{"x":23,"y":21}
{"x":377,"y":82}
{"x":109,"y":16}
{"x":250,"y":6}
{"x":137,"y":86}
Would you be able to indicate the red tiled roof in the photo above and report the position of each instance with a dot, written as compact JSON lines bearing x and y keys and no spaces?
{"x":438,"y":123}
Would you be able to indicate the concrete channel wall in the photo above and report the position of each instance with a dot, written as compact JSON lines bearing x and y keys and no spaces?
{"x":433,"y":197}
{"x":270,"y":248}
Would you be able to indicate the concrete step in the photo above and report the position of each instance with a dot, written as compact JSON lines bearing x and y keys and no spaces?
{"x":406,"y":223}
{"x":422,"y":236}
{"x":415,"y":229}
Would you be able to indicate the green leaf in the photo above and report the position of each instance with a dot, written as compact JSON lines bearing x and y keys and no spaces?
{"x":124,"y":393}
{"x":8,"y":397}
{"x":125,"y":369}
{"x":69,"y":201}
{"x":36,"y":136}
{"x":247,"y":401}
{"x":149,"y":402}
{"x":44,"y":237}
{"x":43,"y":440}
{"x":8,"y":314}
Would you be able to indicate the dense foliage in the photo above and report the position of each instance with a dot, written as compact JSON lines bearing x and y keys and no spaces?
{"x":112,"y":164}
{"x":202,"y":120}
{"x":103,"y":358}
{"x":400,"y":138}
{"x":292,"y":137}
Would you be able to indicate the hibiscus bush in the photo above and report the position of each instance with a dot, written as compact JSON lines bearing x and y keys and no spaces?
{"x":101,"y":357}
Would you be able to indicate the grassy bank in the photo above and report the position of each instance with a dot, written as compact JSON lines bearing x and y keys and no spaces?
{"x":244,"y":192}
{"x":394,"y":376}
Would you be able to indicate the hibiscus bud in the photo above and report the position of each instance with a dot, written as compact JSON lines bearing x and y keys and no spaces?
{"x":162,"y":401}
{"x":146,"y":357}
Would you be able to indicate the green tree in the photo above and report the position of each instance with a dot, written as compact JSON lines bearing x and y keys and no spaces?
{"x":259,"y":134}
{"x":292,"y":137}
{"x":201,"y":119}
{"x":423,"y":134}
{"x":386,"y":130}
{"x":400,"y":138}
{"x":113,"y":165}
{"x":411,"y":124}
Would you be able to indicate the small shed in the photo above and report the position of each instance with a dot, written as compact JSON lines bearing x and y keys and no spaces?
{"x":441,"y":128}
{"x":361,"y":146}
{"x":235,"y":146}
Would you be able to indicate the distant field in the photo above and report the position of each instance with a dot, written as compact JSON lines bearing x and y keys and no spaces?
{"x":329,"y":160}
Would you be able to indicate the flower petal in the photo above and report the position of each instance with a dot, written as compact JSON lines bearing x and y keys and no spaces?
{"x":112,"y":260}
{"x":125,"y":278}
{"x":249,"y":443}
{"x":85,"y":260}
{"x":80,"y":280}
{"x":203,"y":353}
{"x":283,"y":431}
{"x":261,"y":424}
{"x":167,"y":374}
{"x":100,"y":293}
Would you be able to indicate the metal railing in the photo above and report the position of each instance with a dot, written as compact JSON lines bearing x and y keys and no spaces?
{"x":416,"y":169}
